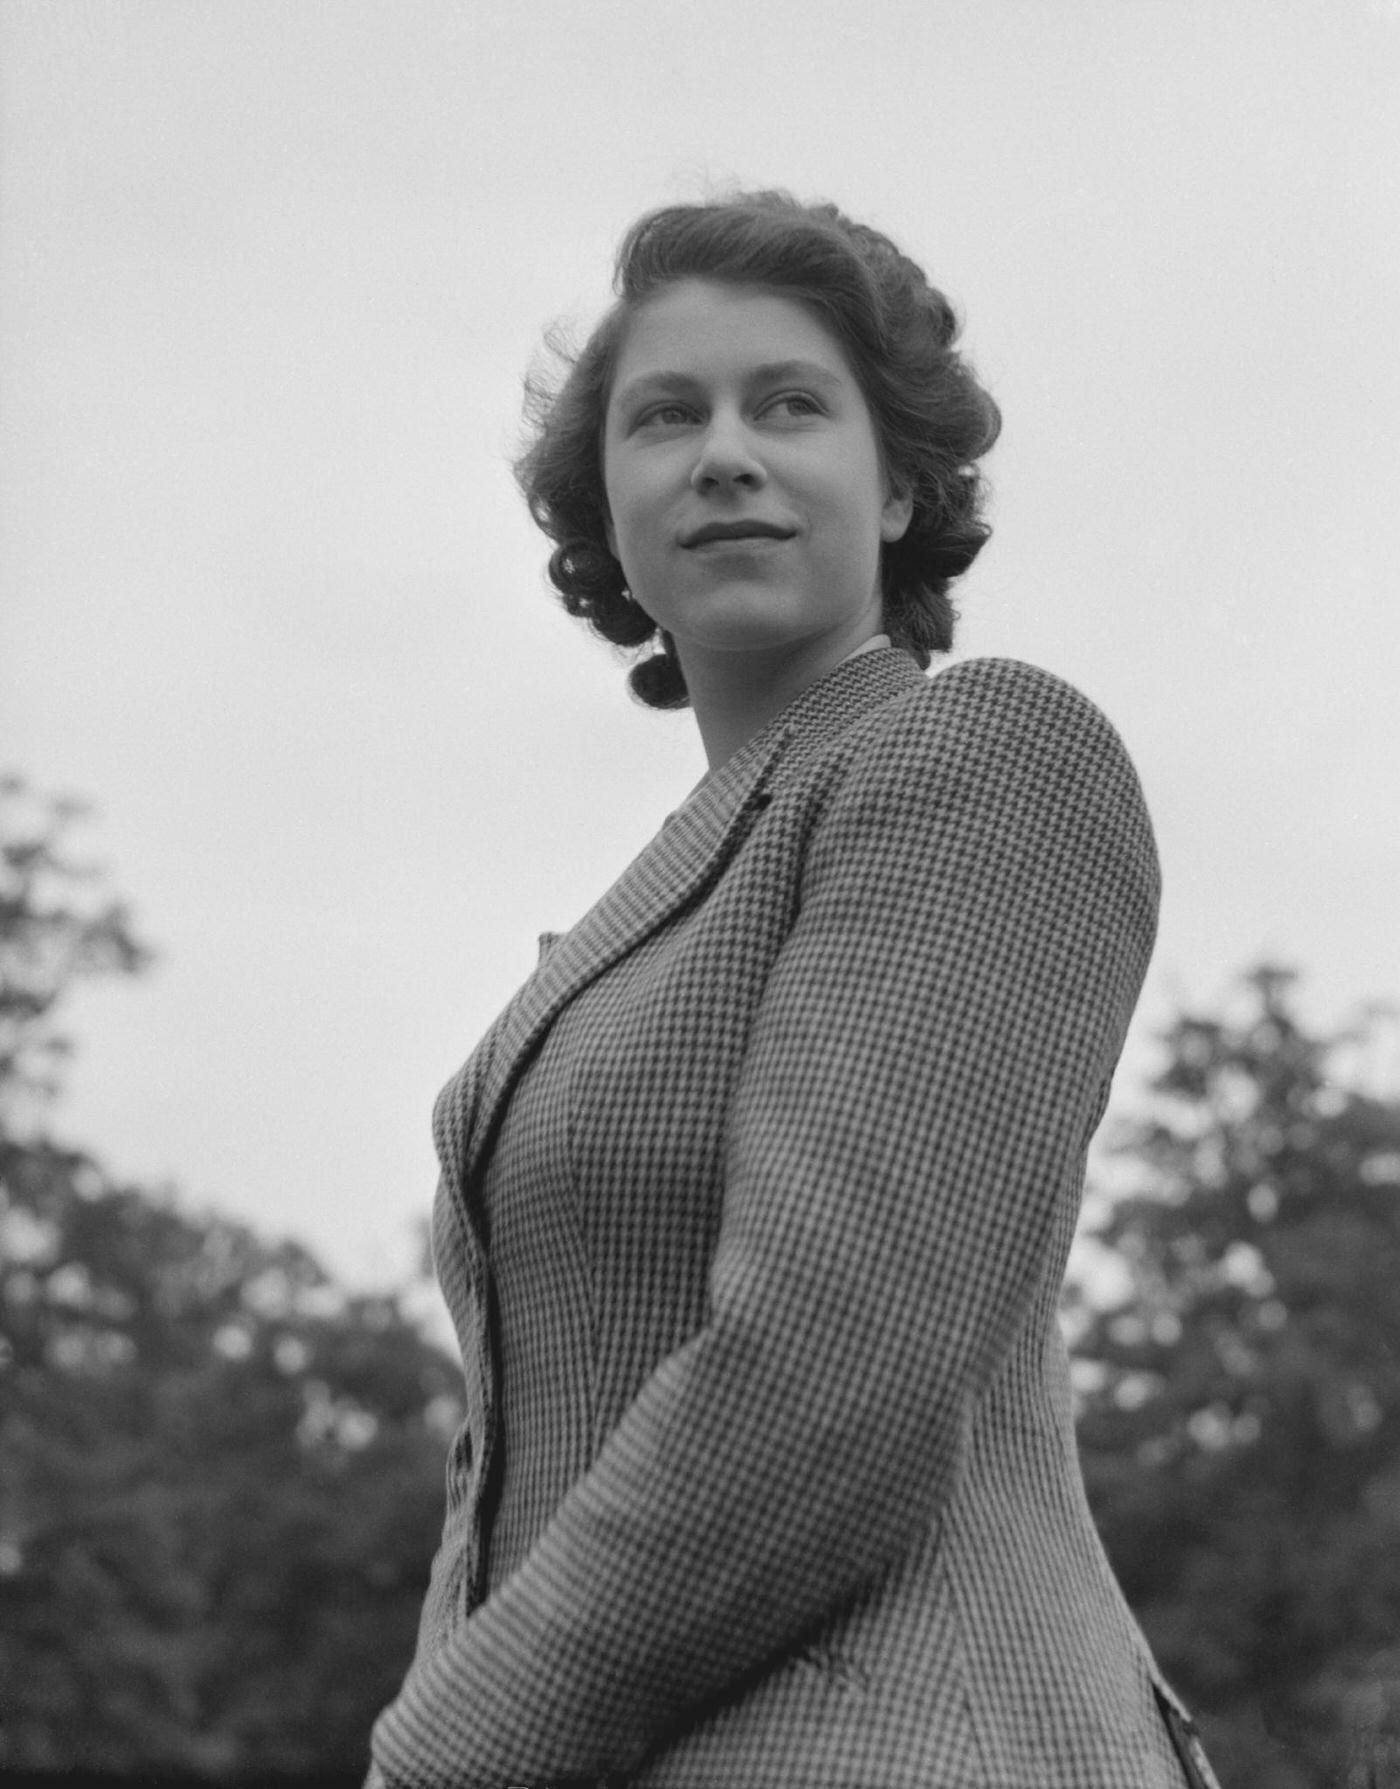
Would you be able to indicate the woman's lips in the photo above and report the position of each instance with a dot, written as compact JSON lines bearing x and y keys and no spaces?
{"x":729,"y":534}
{"x":740,"y":543}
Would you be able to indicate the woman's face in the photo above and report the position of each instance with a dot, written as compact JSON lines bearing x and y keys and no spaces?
{"x":748,"y":502}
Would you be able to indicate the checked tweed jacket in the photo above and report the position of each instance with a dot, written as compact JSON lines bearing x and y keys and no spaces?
{"x":863,"y":997}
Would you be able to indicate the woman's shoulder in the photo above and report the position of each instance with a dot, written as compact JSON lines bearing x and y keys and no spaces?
{"x":995,"y":747}
{"x":1000,"y":773}
{"x":987,"y":710}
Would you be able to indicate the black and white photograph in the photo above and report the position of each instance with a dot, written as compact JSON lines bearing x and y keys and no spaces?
{"x":700,"y":894}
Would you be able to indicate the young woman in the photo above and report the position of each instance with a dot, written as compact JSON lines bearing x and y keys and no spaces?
{"x":756,"y":1199}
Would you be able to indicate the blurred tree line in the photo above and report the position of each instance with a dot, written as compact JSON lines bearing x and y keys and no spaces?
{"x":1240,"y":1416}
{"x":221,"y":1475}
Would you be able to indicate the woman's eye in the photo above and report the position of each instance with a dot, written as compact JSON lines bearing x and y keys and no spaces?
{"x":796,"y":403}
{"x":663,"y":414}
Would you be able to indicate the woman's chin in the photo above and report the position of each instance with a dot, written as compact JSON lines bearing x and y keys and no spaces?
{"x":740,"y":621}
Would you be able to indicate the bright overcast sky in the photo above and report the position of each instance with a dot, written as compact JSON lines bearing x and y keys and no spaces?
{"x":269,"y":278}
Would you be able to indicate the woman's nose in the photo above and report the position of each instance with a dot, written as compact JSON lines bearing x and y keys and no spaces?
{"x":726,"y":457}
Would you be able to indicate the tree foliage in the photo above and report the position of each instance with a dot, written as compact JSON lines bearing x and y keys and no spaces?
{"x":220,"y":1476}
{"x":57,"y":923}
{"x":1240,"y":1419}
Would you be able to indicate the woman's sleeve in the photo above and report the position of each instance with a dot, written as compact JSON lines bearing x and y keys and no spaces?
{"x":932,"y":1050}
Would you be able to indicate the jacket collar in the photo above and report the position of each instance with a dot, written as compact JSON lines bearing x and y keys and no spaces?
{"x":825,"y":709}
{"x":690,"y":850}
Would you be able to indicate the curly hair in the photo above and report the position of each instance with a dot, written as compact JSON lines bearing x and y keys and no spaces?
{"x":932,"y":418}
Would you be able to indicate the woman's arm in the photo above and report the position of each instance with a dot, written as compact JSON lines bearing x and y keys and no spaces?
{"x":931,"y":1052}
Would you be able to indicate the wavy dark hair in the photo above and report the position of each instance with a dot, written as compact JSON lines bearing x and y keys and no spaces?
{"x":932,"y":419}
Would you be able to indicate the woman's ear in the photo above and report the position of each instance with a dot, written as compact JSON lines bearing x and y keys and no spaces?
{"x":896,"y":515}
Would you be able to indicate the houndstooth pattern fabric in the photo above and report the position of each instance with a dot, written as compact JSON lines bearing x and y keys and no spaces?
{"x":781,"y":1150}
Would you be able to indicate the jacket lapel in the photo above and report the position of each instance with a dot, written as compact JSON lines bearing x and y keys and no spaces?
{"x":691,"y":848}
{"x":689,"y":852}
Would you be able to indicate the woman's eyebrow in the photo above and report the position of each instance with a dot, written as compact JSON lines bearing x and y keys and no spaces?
{"x":810,"y":371}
